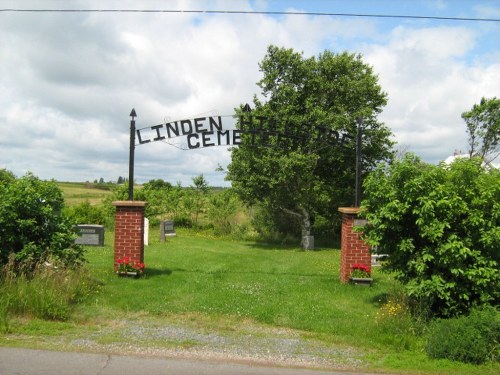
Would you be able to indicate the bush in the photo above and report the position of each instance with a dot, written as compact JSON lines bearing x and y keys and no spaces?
{"x":31,"y":225}
{"x":164,"y":202}
{"x":440,"y":227}
{"x":85,"y":213}
{"x":471,"y":339}
{"x":274,"y":225}
{"x":222,"y":209}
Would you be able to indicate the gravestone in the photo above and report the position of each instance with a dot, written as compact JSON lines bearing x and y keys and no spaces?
{"x":146,"y":231}
{"x":90,"y":235}
{"x":166,"y":229}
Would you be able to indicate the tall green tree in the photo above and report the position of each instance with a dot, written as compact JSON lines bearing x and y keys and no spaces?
{"x":315,"y":104}
{"x":200,"y":189}
{"x":6,"y":176}
{"x":483,"y":128}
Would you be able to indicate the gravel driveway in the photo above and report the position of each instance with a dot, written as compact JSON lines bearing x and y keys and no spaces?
{"x":247,"y":343}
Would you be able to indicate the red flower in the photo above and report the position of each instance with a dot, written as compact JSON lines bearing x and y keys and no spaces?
{"x":361,"y":267}
{"x":126,"y":264}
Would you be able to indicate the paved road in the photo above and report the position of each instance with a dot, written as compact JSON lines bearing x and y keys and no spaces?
{"x":15,"y":361}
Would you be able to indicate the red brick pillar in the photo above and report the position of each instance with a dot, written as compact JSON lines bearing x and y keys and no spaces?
{"x":352,"y":248}
{"x":129,"y":230}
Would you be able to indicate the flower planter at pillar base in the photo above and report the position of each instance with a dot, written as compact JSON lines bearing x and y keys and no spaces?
{"x":128,"y":274}
{"x":361,"y":281}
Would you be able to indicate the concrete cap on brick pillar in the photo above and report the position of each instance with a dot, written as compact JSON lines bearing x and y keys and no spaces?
{"x":129,"y":203}
{"x":349,"y":210}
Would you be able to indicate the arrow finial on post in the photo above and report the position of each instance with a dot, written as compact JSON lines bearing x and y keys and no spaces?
{"x":133,"y":114}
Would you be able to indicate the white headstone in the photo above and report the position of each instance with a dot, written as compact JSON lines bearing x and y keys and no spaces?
{"x":146,"y":231}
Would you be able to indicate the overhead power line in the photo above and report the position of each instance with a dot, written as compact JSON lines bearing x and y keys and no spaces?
{"x":285,"y":13}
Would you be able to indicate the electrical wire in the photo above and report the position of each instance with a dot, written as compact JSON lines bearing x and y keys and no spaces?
{"x":243,"y":12}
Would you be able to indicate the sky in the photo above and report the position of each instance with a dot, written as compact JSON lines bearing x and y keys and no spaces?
{"x":69,"y":80}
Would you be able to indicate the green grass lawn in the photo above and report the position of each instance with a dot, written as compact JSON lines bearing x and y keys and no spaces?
{"x":224,"y":280}
{"x":279,"y":286}
{"x":225,"y":284}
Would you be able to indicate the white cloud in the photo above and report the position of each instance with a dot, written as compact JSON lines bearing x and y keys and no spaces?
{"x":430,"y":82}
{"x":69,"y":80}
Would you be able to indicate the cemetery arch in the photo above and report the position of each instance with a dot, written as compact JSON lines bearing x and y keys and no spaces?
{"x":209,"y":131}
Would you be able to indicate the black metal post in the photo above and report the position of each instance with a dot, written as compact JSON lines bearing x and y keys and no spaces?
{"x":357,"y":198}
{"x":131,"y":157}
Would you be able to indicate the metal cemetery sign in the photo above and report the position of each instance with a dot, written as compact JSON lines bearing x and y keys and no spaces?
{"x":210,"y":131}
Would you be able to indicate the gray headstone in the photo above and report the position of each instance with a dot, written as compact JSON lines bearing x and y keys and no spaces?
{"x":90,"y":234}
{"x":166,"y":229}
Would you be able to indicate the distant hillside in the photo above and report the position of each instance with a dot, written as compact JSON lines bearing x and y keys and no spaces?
{"x":78,"y":192}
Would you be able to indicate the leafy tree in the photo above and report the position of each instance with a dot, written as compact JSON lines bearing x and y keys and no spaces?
{"x":31,"y":225}
{"x":157,"y":184}
{"x":441,"y":229}
{"x":483,"y":128}
{"x":201,"y":188}
{"x":6,"y":176}
{"x":306,"y":99}
{"x":222,"y":208}
{"x":157,"y":193}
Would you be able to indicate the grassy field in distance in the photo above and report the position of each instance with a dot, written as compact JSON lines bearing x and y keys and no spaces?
{"x":78,"y":192}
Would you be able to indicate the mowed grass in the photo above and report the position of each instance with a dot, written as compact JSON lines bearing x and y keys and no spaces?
{"x":283,"y":287}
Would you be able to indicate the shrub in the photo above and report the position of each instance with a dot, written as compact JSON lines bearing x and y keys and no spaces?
{"x":222,"y":209}
{"x":440,"y":227}
{"x":164,"y":201}
{"x":31,"y":225}
{"x":274,"y":225}
{"x":85,"y":213}
{"x":471,"y":339}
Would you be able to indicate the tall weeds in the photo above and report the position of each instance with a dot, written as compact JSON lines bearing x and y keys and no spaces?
{"x":48,"y":292}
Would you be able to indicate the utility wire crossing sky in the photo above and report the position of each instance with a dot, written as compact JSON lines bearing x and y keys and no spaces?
{"x":252,"y":12}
